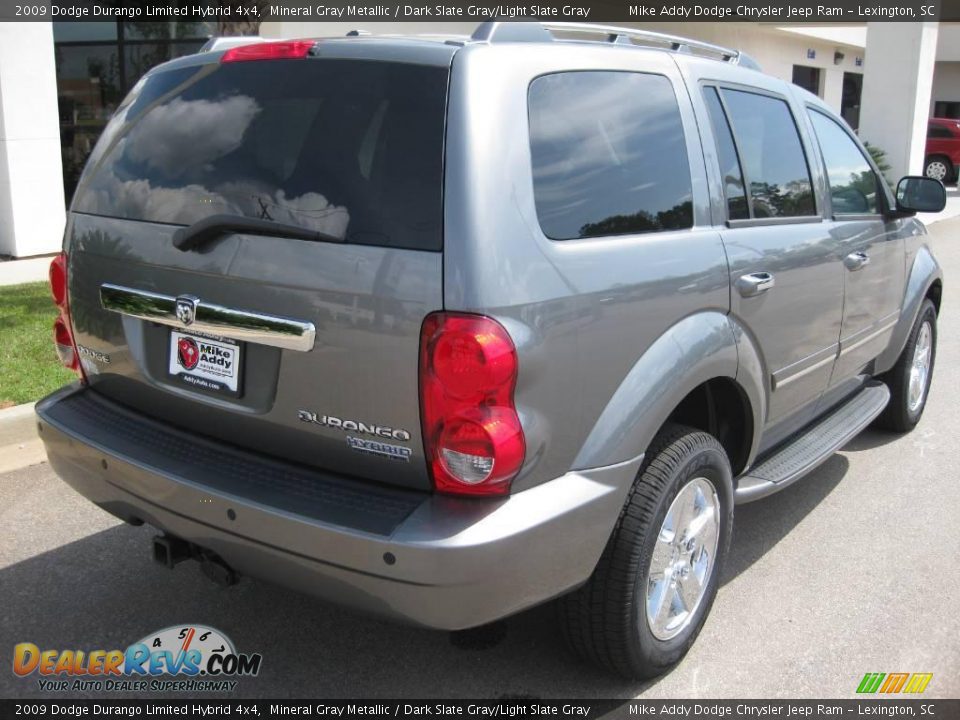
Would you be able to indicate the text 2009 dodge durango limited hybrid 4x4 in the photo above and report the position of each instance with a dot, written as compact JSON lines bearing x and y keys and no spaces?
{"x":441,"y":330}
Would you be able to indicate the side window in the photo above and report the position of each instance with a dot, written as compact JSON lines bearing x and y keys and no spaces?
{"x":774,"y":165}
{"x":938,"y":132}
{"x":853,"y":184}
{"x":737,"y":208}
{"x":609,"y":155}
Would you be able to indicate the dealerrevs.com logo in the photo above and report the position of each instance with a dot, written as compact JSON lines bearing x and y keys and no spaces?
{"x":189,"y":658}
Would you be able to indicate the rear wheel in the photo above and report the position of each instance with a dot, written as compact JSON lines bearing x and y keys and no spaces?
{"x":939,"y":168}
{"x":649,"y":595}
{"x":909,"y":379}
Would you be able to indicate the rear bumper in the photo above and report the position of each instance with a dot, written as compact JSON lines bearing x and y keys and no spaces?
{"x":436,"y":561}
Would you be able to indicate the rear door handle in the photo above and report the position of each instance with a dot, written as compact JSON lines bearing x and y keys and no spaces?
{"x":754,"y":284}
{"x":856,"y":261}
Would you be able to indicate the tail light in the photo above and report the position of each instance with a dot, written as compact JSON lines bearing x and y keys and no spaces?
{"x":282,"y":50}
{"x":62,"y":333}
{"x":471,"y":430}
{"x":63,"y":341}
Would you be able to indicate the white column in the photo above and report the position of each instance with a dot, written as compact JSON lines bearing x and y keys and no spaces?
{"x":899,"y":61}
{"x":31,"y":173}
{"x":833,"y":87}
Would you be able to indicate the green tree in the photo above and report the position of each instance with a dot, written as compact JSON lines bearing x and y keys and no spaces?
{"x":880,"y":158}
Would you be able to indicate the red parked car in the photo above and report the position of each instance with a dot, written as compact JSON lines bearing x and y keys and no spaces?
{"x":943,"y":149}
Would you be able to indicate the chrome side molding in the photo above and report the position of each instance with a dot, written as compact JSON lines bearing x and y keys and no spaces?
{"x":188,"y":312}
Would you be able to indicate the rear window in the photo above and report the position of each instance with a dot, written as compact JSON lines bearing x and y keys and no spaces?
{"x":349,"y":148}
{"x":609,"y":155}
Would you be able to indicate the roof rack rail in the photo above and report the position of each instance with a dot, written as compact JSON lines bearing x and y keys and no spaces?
{"x":493,"y":31}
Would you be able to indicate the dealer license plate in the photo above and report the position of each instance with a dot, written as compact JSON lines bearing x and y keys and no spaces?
{"x":205,"y":363}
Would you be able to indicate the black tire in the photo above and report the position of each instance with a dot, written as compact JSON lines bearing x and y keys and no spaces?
{"x":605,"y":621}
{"x":939,"y":159}
{"x":898,"y":415}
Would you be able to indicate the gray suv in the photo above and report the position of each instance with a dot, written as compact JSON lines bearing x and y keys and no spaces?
{"x":442,"y":329}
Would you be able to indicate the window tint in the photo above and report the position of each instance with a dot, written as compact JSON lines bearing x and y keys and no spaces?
{"x":773,"y":160}
{"x":609,"y":156}
{"x":853,"y":184}
{"x":733,"y":189}
{"x":938,"y":131}
{"x":349,"y":148}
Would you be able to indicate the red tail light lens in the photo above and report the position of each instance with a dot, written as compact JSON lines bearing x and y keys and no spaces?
{"x":282,"y":50}
{"x":472,"y":433}
{"x":62,"y":333}
{"x":58,"y":280}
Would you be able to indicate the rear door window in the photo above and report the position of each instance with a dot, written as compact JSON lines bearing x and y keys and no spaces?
{"x":733,"y":188}
{"x":346,"y":147}
{"x":771,"y":155}
{"x":609,"y":155}
{"x":853,"y":183}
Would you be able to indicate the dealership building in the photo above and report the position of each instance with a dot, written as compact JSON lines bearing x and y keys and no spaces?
{"x":60,"y":82}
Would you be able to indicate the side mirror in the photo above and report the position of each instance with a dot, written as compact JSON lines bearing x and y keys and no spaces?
{"x":920,"y":194}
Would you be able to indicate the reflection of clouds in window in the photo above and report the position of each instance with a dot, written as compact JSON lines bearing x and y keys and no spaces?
{"x":608,"y":154}
{"x":188,"y":133}
{"x":602,"y":143}
{"x":318,"y":145}
{"x":190,"y":203}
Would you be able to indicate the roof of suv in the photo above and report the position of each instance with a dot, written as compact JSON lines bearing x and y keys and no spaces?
{"x":439,"y":49}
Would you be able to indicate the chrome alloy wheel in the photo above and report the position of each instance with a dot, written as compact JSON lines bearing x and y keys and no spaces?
{"x":920,"y":368}
{"x":683,"y":559}
{"x":937,"y":169}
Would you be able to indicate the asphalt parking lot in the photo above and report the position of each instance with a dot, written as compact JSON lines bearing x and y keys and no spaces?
{"x":855,"y":569}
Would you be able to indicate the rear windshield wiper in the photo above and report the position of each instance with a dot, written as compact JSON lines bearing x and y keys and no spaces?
{"x":210,"y":228}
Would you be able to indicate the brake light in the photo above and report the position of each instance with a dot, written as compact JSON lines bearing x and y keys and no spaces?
{"x":471,"y":430}
{"x":62,"y":333}
{"x":58,"y":280}
{"x":281,"y":50}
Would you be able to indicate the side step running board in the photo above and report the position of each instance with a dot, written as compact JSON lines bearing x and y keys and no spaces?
{"x":813,"y":446}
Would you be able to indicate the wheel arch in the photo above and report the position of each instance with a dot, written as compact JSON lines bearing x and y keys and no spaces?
{"x":925,"y":280}
{"x":690,"y":376}
{"x":721,"y":408}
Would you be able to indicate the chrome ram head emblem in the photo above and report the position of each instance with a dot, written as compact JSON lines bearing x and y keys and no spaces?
{"x":186,"y":309}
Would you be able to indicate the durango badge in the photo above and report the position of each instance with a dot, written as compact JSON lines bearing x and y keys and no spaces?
{"x":353,"y":426}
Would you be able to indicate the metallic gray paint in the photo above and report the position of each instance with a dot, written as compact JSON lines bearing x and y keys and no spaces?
{"x":924,"y":271}
{"x":611,"y":334}
{"x":458,"y":564}
{"x":366,"y":303}
{"x":583,"y":312}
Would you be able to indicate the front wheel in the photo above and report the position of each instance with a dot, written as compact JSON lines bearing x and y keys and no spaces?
{"x":909,"y":379}
{"x":649,"y":595}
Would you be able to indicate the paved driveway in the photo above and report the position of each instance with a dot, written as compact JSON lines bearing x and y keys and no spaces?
{"x":854,"y":569}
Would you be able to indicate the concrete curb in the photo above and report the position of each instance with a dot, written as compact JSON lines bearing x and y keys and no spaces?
{"x":20,"y":446}
{"x":17,"y":272}
{"x":18,"y":424}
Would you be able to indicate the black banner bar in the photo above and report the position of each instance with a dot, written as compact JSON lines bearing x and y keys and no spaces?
{"x":487,"y":709}
{"x":596,"y":11}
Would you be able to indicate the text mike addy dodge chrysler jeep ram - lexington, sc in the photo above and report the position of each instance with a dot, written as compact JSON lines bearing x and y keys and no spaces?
{"x":442,"y":329}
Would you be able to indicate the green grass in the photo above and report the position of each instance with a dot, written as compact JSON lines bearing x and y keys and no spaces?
{"x":29,"y":368}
